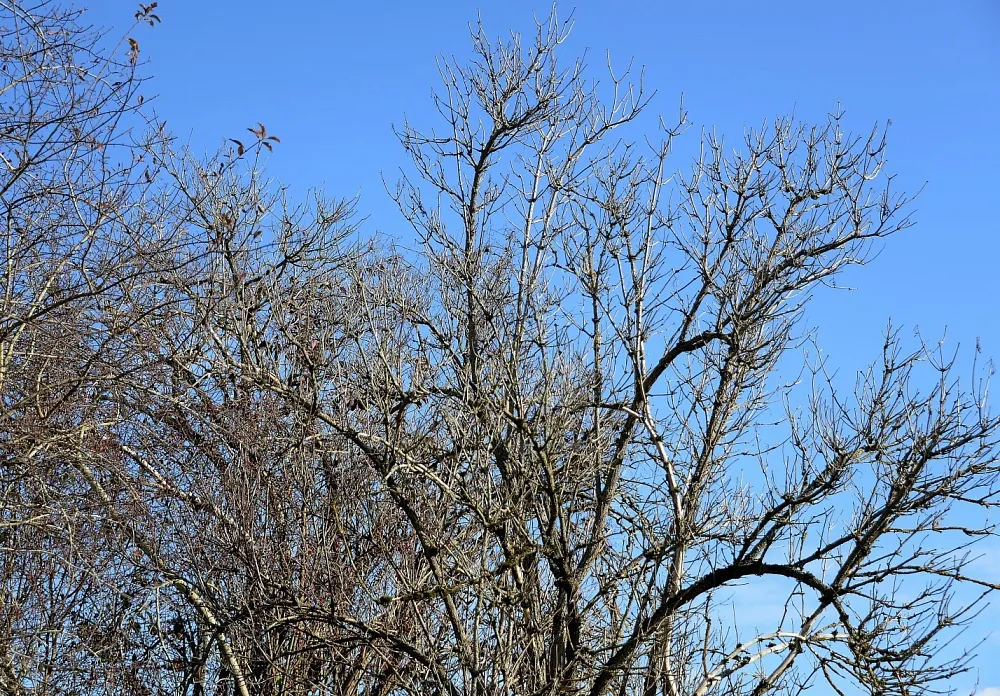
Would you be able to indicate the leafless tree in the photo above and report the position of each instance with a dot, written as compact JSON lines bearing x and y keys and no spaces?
{"x":76,"y":162}
{"x":246,"y":451}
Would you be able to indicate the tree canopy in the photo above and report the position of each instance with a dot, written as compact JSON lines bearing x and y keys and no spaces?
{"x":246,"y":448}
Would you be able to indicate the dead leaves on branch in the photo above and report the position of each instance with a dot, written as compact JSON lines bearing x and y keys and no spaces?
{"x":145,"y":14}
{"x":133,"y":50}
{"x":260,"y":132}
{"x":261,"y":139}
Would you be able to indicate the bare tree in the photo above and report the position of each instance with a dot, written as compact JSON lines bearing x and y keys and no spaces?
{"x":76,"y":163}
{"x":245,"y":452}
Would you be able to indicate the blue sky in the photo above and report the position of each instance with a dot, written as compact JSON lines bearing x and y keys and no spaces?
{"x":331,"y":78}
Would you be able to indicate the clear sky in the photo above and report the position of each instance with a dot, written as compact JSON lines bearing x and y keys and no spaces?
{"x":330,"y":79}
